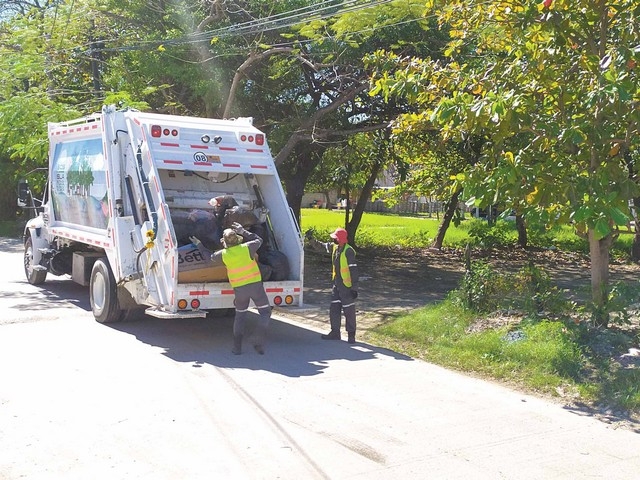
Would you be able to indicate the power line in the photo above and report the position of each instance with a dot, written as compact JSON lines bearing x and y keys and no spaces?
{"x":274,"y":22}
{"x":280,"y":21}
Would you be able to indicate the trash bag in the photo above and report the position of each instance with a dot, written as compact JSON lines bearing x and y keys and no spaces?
{"x":279,"y":264}
{"x":260,"y":229}
{"x":197,"y":223}
{"x":221,"y":204}
{"x":223,"y":201}
{"x":206,"y":228}
{"x":243,"y":216}
{"x":265,"y":271}
{"x":182,"y":226}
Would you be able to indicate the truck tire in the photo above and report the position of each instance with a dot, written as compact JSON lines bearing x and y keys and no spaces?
{"x":103,"y":294}
{"x":34,"y":277}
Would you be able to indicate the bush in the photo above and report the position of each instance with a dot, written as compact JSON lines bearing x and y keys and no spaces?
{"x":483,"y":289}
{"x":484,"y":235}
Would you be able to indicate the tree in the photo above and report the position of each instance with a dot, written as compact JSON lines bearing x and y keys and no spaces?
{"x":431,"y":167}
{"x":554,"y":86}
{"x":45,"y":75}
{"x":302,"y":80}
{"x":356,"y":166}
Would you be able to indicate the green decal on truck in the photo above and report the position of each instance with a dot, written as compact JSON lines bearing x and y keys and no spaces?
{"x":79,"y":183}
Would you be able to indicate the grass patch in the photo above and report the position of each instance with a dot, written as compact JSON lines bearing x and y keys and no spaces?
{"x":383,"y":229}
{"x":419,"y":231}
{"x":539,"y":355}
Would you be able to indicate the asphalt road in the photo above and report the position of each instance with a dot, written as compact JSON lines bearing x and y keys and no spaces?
{"x":157,"y":399}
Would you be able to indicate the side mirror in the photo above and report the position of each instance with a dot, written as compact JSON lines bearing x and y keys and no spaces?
{"x":23,"y":193}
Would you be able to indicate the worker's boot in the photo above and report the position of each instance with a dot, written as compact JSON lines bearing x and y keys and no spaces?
{"x":237,"y":345}
{"x":259,"y":339}
{"x":332,"y":335}
{"x":352,"y":337}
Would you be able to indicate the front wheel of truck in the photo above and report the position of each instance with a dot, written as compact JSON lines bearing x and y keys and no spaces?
{"x":35,"y":273}
{"x":103,"y":293}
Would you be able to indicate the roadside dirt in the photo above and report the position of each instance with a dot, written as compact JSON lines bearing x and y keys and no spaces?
{"x":395,"y":280}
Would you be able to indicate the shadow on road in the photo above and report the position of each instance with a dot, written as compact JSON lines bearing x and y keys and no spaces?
{"x":55,"y":293}
{"x":8,"y":244}
{"x":292,"y":350}
{"x":606,"y":415}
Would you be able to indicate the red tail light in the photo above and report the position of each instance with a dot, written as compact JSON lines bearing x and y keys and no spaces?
{"x":259,"y":139}
{"x":156,"y":131}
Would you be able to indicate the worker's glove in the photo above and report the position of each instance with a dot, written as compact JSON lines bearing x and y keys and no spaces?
{"x":308,"y":234}
{"x":354,"y":294}
{"x":195,"y":241}
{"x":238,"y":228}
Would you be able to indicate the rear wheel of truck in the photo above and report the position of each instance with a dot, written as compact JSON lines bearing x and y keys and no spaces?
{"x":103,"y":293}
{"x":34,"y":276}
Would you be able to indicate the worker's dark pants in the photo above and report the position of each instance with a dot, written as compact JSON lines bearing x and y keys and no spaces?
{"x":244,"y":294}
{"x":342,"y":301}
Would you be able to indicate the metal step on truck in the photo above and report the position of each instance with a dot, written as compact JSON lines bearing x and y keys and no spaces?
{"x":126,"y":192}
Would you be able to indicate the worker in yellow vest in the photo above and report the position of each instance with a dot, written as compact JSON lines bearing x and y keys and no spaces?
{"x":345,"y":283}
{"x":239,"y":256}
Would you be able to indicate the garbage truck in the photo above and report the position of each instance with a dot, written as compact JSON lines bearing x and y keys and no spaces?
{"x":128,"y":192}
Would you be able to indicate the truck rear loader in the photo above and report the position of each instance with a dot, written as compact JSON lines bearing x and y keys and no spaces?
{"x":127,"y":193}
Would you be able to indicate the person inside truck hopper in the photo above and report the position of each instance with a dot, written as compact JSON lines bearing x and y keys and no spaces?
{"x":239,"y":256}
{"x":345,"y":283}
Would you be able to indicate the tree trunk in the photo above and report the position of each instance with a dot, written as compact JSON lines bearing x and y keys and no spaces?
{"x":327,"y":200}
{"x":295,"y":173}
{"x":521,"y":227}
{"x":347,"y":211}
{"x":635,"y":246}
{"x":449,"y":212}
{"x":365,"y":194}
{"x":295,"y":191}
{"x":599,"y":253}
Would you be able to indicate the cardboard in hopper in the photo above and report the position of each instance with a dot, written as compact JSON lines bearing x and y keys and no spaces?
{"x":194,"y":267}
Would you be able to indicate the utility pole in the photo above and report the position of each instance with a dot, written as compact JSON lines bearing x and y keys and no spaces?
{"x":95,"y":53}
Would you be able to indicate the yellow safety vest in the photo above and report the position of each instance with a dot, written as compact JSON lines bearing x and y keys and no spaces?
{"x":241,"y":268}
{"x":345,"y":273}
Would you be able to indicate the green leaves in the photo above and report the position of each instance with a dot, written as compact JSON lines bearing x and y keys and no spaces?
{"x":541,"y":88}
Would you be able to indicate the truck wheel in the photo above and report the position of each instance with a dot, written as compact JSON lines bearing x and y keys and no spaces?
{"x":103,"y":294}
{"x":34,"y":277}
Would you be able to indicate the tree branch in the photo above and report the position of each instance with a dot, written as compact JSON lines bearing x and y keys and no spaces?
{"x":216,"y":12}
{"x":246,"y":67}
{"x":304,"y":131}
